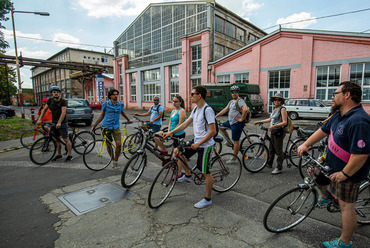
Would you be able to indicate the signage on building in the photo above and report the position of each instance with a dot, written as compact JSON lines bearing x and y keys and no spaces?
{"x":99,"y":88}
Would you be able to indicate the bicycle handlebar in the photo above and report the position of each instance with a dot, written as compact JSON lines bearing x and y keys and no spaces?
{"x":318,"y":164}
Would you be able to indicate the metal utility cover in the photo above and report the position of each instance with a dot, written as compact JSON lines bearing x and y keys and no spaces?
{"x":86,"y":200}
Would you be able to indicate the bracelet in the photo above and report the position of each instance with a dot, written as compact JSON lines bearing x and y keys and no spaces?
{"x":345,"y":174}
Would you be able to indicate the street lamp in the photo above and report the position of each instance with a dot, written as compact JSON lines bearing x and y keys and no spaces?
{"x":16,"y":54}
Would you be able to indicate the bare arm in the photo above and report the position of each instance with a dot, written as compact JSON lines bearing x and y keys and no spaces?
{"x":244,"y":114}
{"x":179,"y":127}
{"x":145,"y":114}
{"x":62,"y":115}
{"x":317,"y":136}
{"x":210,"y":134}
{"x":222,"y":112}
{"x":263,"y":121}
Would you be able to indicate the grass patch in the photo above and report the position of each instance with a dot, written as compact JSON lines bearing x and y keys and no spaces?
{"x":14,"y":128}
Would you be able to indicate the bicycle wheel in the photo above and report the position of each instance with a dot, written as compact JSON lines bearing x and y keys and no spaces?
{"x":249,"y":140}
{"x":133,"y":170}
{"x":218,"y":147}
{"x":162,"y":185}
{"x":98,"y":155}
{"x":168,"y":143}
{"x":43,"y":150}
{"x":226,"y":171}
{"x":81,"y":141}
{"x":293,"y":151}
{"x":255,"y":157}
{"x":363,"y":204}
{"x":289,"y":209}
{"x":30,"y":136}
{"x":132,"y":143}
{"x":303,"y":165}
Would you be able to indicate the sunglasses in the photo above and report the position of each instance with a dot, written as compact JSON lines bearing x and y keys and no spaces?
{"x":175,"y":101}
{"x":156,"y":100}
{"x":234,"y":92}
{"x":192,"y":94}
{"x":276,"y":99}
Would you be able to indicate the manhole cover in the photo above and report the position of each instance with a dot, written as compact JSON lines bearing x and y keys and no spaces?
{"x":86,"y":200}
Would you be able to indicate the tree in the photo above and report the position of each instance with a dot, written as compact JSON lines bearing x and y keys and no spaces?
{"x":5,"y":7}
{"x":7,"y":84}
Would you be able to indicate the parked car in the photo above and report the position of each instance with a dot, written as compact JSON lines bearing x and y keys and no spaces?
{"x":95,"y":105}
{"x":6,"y":112}
{"x":298,"y":108}
{"x":79,"y":110}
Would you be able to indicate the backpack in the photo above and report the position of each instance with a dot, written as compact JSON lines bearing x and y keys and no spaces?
{"x":204,"y":116}
{"x":156,"y":109}
{"x":290,"y":125}
{"x":249,"y":114}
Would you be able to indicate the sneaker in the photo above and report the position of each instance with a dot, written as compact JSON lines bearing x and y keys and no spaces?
{"x":56,"y":158}
{"x":276,"y":171}
{"x":228,"y":144}
{"x":115,"y":165}
{"x":178,"y":176}
{"x":322,"y":201}
{"x":337,"y":243}
{"x":185,"y":178}
{"x":231,"y":161}
{"x":68,"y":159}
{"x":203,"y":203}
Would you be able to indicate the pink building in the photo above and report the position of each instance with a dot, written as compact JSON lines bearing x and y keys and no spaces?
{"x":91,"y":89}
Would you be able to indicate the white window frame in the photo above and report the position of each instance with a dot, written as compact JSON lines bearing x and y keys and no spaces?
{"x":329,"y":87}
{"x":363,"y":81}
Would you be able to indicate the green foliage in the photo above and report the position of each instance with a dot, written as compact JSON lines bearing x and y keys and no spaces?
{"x":13,"y":128}
{"x":4,"y":97}
{"x":5,"y":7}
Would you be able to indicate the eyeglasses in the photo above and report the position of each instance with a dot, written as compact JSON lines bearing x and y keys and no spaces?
{"x":335,"y":93}
{"x":276,"y":99}
{"x":234,"y":92}
{"x":175,"y":101}
{"x":193,"y":93}
{"x":115,"y":94}
{"x":156,"y":100}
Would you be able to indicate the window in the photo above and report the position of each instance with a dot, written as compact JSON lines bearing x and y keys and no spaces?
{"x":327,"y":81}
{"x":133,"y":87}
{"x":252,"y":38}
{"x":230,"y":29}
{"x":151,"y":85}
{"x":279,"y":79}
{"x":175,"y":71}
{"x":196,"y":60}
{"x":220,"y":24}
{"x":104,"y":59}
{"x":174,"y":81}
{"x":360,"y":74}
{"x":195,"y":82}
{"x":240,"y":34}
{"x":241,"y":78}
{"x":151,"y":75}
{"x":224,"y":79}
{"x":219,"y":51}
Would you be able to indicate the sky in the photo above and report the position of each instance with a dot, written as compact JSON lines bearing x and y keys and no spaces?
{"x":100,"y":22}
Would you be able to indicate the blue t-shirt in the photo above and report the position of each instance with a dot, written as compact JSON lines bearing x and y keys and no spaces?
{"x":349,"y":134}
{"x":175,"y":118}
{"x":112,"y":114}
{"x":156,"y":109}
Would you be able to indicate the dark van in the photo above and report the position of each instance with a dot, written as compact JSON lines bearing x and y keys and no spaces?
{"x":218,"y":96}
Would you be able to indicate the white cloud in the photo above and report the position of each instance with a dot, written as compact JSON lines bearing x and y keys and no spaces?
{"x":297,"y":17}
{"x":61,"y":37}
{"x":250,"y":5}
{"x":37,"y":54}
{"x":8,"y":35}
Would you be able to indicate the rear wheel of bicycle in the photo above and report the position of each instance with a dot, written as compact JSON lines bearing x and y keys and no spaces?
{"x":132,"y":143}
{"x":363,"y":204}
{"x":304,"y":166}
{"x":255,"y":157}
{"x":293,"y":151}
{"x":98,"y":155}
{"x":218,"y":147}
{"x":289,"y":209}
{"x":133,"y":170}
{"x":82,"y":140}
{"x":162,"y":185}
{"x":29,"y":137}
{"x":226,"y":171}
{"x":43,"y":150}
{"x":249,"y":140}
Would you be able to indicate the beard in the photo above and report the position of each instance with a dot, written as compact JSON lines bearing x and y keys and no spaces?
{"x":335,"y":108}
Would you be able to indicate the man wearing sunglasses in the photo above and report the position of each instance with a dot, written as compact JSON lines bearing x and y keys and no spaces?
{"x":238,"y":110}
{"x":156,"y":113}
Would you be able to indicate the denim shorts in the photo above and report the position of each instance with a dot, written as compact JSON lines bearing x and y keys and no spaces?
{"x":236,"y":129}
{"x":156,"y":128}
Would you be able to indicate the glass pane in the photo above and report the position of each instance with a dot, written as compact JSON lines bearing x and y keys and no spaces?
{"x":366,"y":94}
{"x":321,"y":94}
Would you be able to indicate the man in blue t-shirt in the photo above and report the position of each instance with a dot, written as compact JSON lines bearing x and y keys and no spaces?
{"x":347,"y":154}
{"x":110,"y":114}
{"x":156,"y":113}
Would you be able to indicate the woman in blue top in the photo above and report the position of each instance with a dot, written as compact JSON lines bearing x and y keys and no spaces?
{"x":177,"y":118}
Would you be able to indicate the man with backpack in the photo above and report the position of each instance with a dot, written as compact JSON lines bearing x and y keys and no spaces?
{"x":156,"y":113}
{"x":238,"y":111}
{"x":204,"y":125}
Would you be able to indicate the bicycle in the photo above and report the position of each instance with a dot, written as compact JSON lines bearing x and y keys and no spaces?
{"x":256,"y":156}
{"x":292,"y":207}
{"x":43,"y":150}
{"x":29,"y":137}
{"x":225,"y":175}
{"x":98,"y":155}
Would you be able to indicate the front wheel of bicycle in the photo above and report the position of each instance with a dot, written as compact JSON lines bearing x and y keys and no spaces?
{"x":132,"y":143}
{"x":305,"y":166}
{"x":81,"y":141}
{"x":255,"y":157}
{"x":290,"y":209}
{"x":29,"y":137}
{"x":293,"y":151}
{"x":163,"y":185}
{"x":98,"y":155}
{"x":363,"y":204}
{"x":133,"y":170}
{"x":226,"y":170}
{"x":43,"y":150}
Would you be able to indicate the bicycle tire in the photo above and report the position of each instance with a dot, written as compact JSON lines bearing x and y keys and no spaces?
{"x":28,"y":137}
{"x":132,"y":143}
{"x":255,"y":157}
{"x":133,"y":169}
{"x":248,"y":140}
{"x":96,"y":157}
{"x":363,"y":204}
{"x":162,"y":185}
{"x":218,"y":147}
{"x":43,"y":150}
{"x":225,"y":174}
{"x":303,"y":166}
{"x":81,"y":141}
{"x":281,"y":215}
{"x":293,"y":151}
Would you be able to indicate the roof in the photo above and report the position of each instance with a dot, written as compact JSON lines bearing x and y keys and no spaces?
{"x":107,"y":75}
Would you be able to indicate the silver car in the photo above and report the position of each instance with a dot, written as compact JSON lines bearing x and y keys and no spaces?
{"x":297,"y":108}
{"x":79,"y":110}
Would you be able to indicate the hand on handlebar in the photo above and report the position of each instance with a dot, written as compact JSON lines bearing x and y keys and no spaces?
{"x":166,"y":135}
{"x":302,"y":149}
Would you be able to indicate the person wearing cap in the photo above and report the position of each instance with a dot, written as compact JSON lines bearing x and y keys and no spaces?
{"x":238,"y":111}
{"x":278,"y":120}
{"x":47,"y":117}
{"x":156,"y":113}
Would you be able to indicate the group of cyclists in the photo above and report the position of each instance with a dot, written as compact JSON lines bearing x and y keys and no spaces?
{"x":347,"y":154}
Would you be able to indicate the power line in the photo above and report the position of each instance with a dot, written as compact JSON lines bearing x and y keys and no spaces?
{"x":322,"y":17}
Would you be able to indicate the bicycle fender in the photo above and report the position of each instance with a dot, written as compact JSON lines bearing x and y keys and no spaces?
{"x":140,"y":151}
